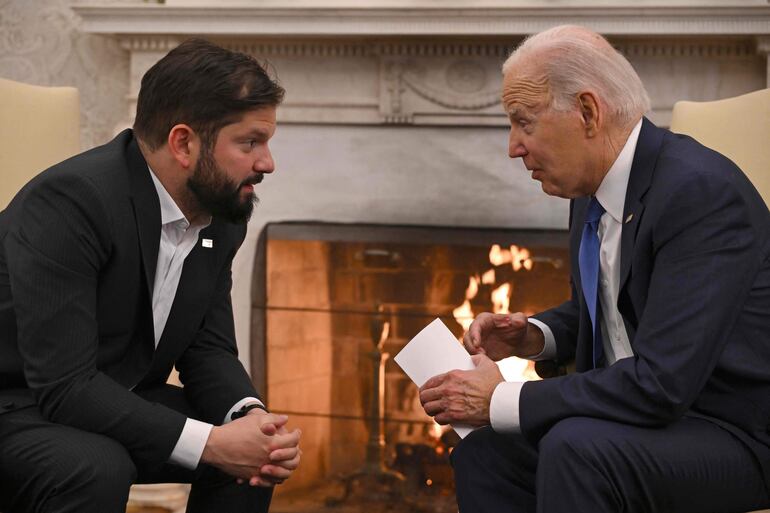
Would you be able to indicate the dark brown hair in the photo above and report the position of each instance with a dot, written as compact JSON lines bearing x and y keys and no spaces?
{"x":204,"y":86}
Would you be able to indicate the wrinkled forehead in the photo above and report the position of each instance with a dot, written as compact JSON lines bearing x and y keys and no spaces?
{"x":525,"y":88}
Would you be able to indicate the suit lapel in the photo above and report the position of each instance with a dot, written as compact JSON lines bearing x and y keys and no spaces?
{"x":645,"y":157}
{"x":576,"y":232}
{"x":144,"y":199}
{"x":191,"y":301}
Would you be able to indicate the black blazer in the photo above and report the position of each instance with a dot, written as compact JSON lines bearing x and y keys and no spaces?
{"x":695,"y":298}
{"x":78,"y":251}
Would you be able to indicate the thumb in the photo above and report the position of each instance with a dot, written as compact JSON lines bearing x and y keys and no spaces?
{"x":480,"y":359}
{"x":518,"y":320}
{"x":268,"y":429}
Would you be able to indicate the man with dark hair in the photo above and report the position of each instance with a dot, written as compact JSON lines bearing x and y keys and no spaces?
{"x":115,"y":266}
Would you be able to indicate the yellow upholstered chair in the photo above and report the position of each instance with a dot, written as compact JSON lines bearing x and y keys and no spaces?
{"x":39,"y":126}
{"x":738,"y":128}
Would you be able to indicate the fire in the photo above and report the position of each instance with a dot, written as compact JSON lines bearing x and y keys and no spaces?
{"x":463,"y":313}
{"x":499,"y":256}
{"x":520,"y":259}
{"x":501,"y":298}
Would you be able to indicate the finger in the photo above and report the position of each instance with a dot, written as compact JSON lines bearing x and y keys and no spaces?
{"x":502,"y":320}
{"x":518,"y":320}
{"x":442,"y":418}
{"x":433,"y":382}
{"x":290,"y":464}
{"x":431,"y":394}
{"x":275,"y":419}
{"x":283,"y":454}
{"x":268,"y":429}
{"x":476,"y":329}
{"x":273,"y":472}
{"x":433,"y":408}
{"x":470,"y":343}
{"x":286,"y":440}
{"x":480,"y":359}
{"x":258,"y":481}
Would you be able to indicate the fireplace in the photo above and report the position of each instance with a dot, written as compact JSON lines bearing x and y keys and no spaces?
{"x":322,"y":293}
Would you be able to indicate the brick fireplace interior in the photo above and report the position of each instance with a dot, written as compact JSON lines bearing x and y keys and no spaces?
{"x":321,"y":295}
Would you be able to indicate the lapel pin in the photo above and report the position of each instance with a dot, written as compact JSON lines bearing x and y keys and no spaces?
{"x":207,"y":243}
{"x":628,"y":219}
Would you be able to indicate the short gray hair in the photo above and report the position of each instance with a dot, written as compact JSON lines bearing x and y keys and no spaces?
{"x":578,"y":59}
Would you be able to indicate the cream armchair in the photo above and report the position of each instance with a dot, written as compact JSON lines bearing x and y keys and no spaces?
{"x":39,"y":126}
{"x":738,"y":128}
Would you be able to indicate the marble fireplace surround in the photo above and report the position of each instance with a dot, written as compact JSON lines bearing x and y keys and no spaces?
{"x":392,"y":113}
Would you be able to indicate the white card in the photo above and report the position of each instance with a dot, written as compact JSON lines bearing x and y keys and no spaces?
{"x":433,"y":351}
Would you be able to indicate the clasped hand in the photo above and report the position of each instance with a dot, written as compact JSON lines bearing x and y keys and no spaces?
{"x":257,"y":448}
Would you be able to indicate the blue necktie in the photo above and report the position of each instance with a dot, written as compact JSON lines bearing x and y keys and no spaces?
{"x":588,"y":259}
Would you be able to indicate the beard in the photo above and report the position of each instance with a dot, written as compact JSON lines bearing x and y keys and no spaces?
{"x":217,"y":194}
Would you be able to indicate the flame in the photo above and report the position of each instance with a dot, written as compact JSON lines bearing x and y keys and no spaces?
{"x":463,"y":314}
{"x":501,"y":298}
{"x":519,"y":258}
{"x":499,"y":256}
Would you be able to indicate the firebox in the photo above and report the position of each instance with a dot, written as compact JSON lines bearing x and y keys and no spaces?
{"x":325,"y":295}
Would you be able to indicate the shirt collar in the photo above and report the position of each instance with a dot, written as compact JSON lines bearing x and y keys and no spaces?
{"x":170,"y":213}
{"x":169,"y":210}
{"x":612,"y":191}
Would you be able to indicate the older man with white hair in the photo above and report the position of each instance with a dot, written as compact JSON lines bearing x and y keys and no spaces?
{"x":668,"y":324}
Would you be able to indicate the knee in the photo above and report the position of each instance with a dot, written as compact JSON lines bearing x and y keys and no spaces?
{"x":104,"y":472}
{"x":468,"y":452}
{"x":577,"y":440}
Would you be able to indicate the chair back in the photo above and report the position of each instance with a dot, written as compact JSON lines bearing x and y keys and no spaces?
{"x":738,"y":128}
{"x":39,"y":126}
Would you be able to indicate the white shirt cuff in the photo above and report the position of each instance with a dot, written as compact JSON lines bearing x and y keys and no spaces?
{"x":188,"y":449}
{"x":240,"y":404}
{"x":504,"y":407}
{"x":549,"y":349}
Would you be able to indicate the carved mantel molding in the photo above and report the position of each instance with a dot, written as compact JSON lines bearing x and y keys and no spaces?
{"x":411,"y":62}
{"x":425,"y":18}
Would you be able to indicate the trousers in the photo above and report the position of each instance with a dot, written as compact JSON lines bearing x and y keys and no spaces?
{"x":593,"y":465}
{"x":52,"y":468}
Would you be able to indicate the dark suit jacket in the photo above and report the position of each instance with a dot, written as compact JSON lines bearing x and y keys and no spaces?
{"x":695,"y":298}
{"x":78,"y":251}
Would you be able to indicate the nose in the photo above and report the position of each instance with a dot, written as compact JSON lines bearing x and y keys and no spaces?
{"x":264,"y":163}
{"x":515,"y":146}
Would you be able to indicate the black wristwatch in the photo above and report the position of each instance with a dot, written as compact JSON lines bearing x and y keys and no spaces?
{"x":246,"y":409}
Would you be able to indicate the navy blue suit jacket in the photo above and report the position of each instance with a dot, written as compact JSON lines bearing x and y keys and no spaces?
{"x":78,"y":252}
{"x":694,"y":296}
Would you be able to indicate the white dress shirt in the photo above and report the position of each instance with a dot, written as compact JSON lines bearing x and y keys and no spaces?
{"x":504,"y":404}
{"x":177,"y":239}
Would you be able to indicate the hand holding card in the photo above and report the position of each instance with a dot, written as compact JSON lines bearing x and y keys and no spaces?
{"x":433,"y":351}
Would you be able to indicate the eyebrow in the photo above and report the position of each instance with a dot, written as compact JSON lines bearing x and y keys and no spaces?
{"x":255,"y":132}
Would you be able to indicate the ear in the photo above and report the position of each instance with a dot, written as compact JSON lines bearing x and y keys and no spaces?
{"x":184,"y":145}
{"x":590,"y":113}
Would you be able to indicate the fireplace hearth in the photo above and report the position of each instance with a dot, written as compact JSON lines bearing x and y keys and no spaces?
{"x":332,"y":302}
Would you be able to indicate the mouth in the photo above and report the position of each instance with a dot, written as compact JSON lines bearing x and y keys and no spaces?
{"x":248,"y":185}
